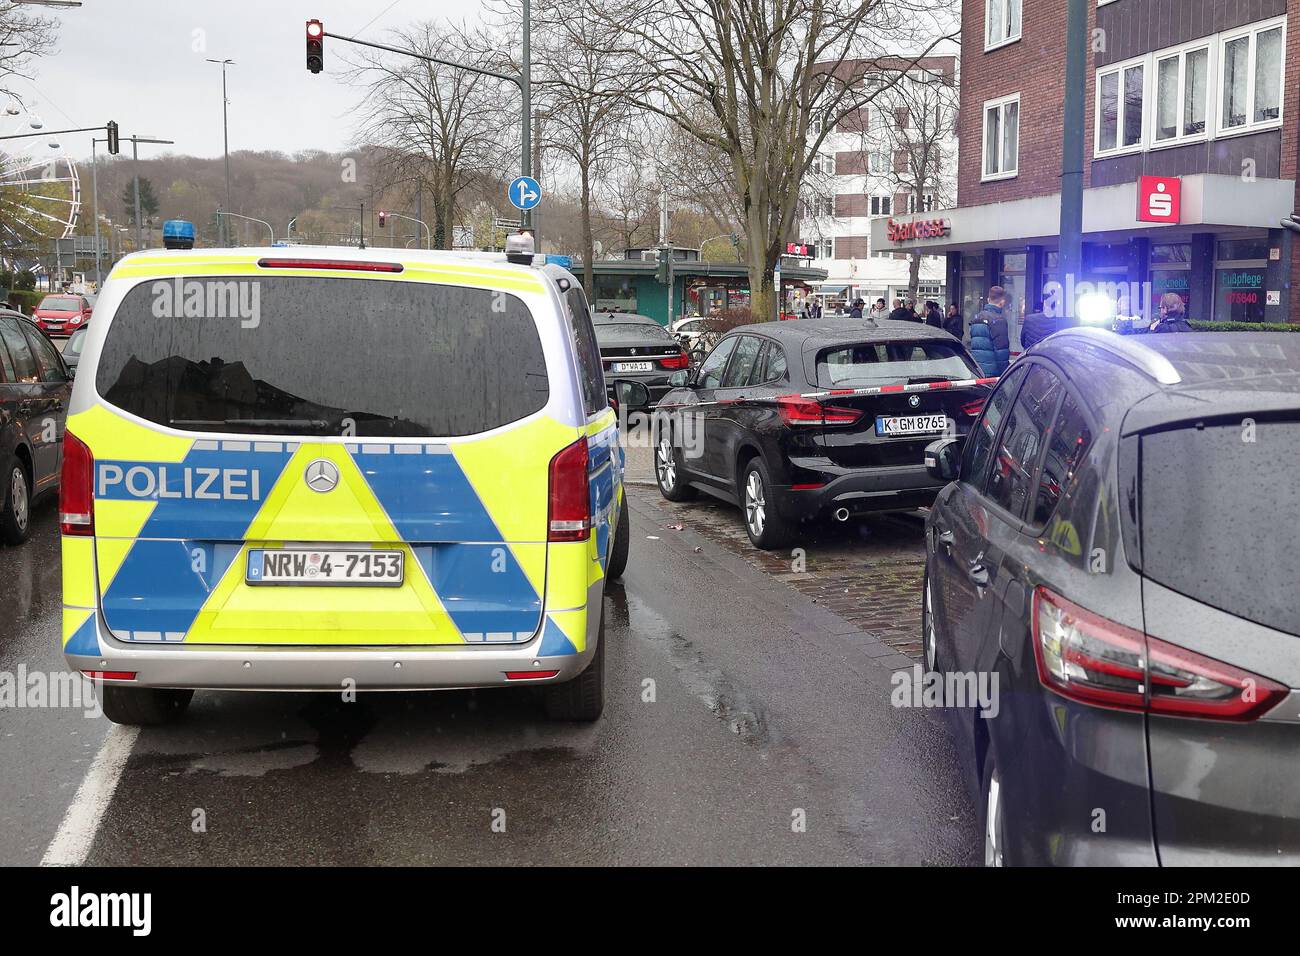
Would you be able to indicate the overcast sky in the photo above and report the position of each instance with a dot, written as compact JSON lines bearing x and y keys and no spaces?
{"x":135,"y":61}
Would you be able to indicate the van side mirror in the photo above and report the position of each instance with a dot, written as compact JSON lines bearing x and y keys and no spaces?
{"x":943,"y":459}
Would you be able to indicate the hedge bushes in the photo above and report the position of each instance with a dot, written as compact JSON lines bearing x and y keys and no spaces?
{"x":1200,"y":326}
{"x":28,"y":300}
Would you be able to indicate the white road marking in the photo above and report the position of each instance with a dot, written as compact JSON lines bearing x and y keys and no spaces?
{"x":80,"y":824}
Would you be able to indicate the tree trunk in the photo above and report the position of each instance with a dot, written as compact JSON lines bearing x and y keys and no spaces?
{"x":914,"y":276}
{"x":588,"y":239}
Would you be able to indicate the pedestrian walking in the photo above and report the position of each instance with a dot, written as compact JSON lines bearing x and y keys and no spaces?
{"x":987,"y":336}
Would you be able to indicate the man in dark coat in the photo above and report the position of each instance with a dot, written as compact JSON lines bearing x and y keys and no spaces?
{"x":953,"y":323}
{"x":1038,"y":325}
{"x":933,"y":316}
{"x":902,"y":313}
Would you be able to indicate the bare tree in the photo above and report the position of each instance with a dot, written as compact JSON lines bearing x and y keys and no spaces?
{"x":441,"y":127}
{"x":584,"y":100}
{"x":761,"y":82}
{"x":917,"y":130}
{"x":24,"y":37}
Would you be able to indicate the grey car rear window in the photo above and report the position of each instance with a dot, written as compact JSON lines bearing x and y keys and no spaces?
{"x":323,"y":356}
{"x":1214,"y":505}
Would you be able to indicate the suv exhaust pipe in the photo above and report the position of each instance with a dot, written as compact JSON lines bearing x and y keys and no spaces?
{"x":841,"y":514}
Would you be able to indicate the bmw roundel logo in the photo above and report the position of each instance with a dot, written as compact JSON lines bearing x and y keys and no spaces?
{"x":914,"y":400}
{"x":321,"y":475}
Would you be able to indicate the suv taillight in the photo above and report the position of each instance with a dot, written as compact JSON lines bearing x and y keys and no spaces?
{"x":807,"y":411}
{"x":1085,"y":657}
{"x":973,"y":408}
{"x":76,"y":501}
{"x":570,"y":505}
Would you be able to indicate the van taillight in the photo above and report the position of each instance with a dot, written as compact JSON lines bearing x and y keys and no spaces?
{"x":570,"y":504}
{"x":1085,"y":657}
{"x":76,"y":502}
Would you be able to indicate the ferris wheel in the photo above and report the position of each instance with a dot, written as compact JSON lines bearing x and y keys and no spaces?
{"x":40,"y":192}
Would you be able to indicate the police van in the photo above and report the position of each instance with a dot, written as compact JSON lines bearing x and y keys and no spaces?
{"x":320,"y":469}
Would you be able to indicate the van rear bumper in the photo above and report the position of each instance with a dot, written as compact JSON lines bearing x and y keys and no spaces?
{"x":319,"y":668}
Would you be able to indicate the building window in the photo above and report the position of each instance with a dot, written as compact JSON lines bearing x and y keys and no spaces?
{"x":1251,"y":78}
{"x":1182,"y":95}
{"x":882,"y":205}
{"x":1121,"y":92}
{"x":879,"y":163}
{"x":925,"y":204}
{"x":1002,"y":137}
{"x":1001,"y":22}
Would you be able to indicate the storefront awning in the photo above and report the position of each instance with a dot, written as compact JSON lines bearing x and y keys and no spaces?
{"x":826,"y":288}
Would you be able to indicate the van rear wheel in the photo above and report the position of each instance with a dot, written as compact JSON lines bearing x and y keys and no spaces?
{"x":144,"y":706}
{"x":583,"y":698}
{"x":622,"y":543}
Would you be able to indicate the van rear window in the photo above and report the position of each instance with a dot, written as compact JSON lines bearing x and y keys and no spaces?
{"x":323,"y":356}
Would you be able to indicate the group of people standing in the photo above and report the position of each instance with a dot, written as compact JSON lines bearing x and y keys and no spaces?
{"x":931,"y":313}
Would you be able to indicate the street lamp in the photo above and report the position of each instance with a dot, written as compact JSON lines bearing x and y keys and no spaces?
{"x":135,"y":176}
{"x":225,"y":128}
{"x":47,"y":3}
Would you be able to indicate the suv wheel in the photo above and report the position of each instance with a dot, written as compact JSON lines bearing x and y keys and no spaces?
{"x":929,"y":637}
{"x":144,"y":706}
{"x":583,"y":698}
{"x":16,"y":513}
{"x":668,"y":469}
{"x":767,"y":529}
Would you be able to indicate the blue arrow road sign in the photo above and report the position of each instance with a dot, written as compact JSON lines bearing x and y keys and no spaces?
{"x":525,"y":193}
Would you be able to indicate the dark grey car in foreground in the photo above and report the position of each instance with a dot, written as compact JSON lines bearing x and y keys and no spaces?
{"x":1118,"y":552}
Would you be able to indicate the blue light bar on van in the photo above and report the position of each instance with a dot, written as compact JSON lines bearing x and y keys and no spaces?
{"x":345,"y":264}
{"x":178,"y":234}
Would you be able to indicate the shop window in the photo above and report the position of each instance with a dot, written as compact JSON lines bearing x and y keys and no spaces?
{"x":1239,"y":294}
{"x":1002,"y":138}
{"x":1232,"y":250}
{"x":614,"y":293}
{"x":1171,"y":252}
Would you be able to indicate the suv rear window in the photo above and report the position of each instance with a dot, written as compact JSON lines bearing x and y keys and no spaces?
{"x":877,"y":363}
{"x":323,"y":356}
{"x":1213,"y":504}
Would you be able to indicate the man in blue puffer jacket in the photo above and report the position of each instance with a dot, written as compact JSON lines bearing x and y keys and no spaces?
{"x":987,"y":338}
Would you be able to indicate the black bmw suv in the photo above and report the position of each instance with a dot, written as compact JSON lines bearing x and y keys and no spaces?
{"x":1116,"y":561}
{"x":807,"y":418}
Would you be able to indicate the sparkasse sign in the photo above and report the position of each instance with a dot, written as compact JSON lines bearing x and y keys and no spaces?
{"x":918,"y":229}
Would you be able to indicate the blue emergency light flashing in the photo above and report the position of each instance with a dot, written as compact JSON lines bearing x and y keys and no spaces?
{"x":564,"y":262}
{"x":178,"y":234}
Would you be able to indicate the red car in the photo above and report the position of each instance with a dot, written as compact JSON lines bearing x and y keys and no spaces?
{"x":61,"y":314}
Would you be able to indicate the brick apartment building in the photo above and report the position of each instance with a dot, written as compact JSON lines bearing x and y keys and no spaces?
{"x":1190,"y":156}
{"x":866,"y":170}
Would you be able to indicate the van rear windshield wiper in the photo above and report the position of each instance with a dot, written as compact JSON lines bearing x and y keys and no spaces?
{"x":251,"y":422}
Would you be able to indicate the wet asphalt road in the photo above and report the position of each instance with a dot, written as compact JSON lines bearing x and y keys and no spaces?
{"x":757,"y":719}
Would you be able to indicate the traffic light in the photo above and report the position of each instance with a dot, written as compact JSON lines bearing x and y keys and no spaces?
{"x":665,"y":257}
{"x":383,"y":218}
{"x":112,"y":137}
{"x":315,"y":46}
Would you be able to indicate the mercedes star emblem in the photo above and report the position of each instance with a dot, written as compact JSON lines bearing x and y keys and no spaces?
{"x":322,"y":475}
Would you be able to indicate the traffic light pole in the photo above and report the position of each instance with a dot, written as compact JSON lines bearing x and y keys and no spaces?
{"x":523,"y":82}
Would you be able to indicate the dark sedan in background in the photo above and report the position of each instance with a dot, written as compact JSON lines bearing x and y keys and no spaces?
{"x":35,"y":386}
{"x":637,"y":348}
{"x":800,"y":419}
{"x":1117,"y":552}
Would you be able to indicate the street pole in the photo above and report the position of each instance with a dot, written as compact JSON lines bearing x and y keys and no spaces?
{"x":1076,"y":55}
{"x":526,"y":86}
{"x":225,"y":136}
{"x":135,"y":178}
{"x":94,"y":190}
